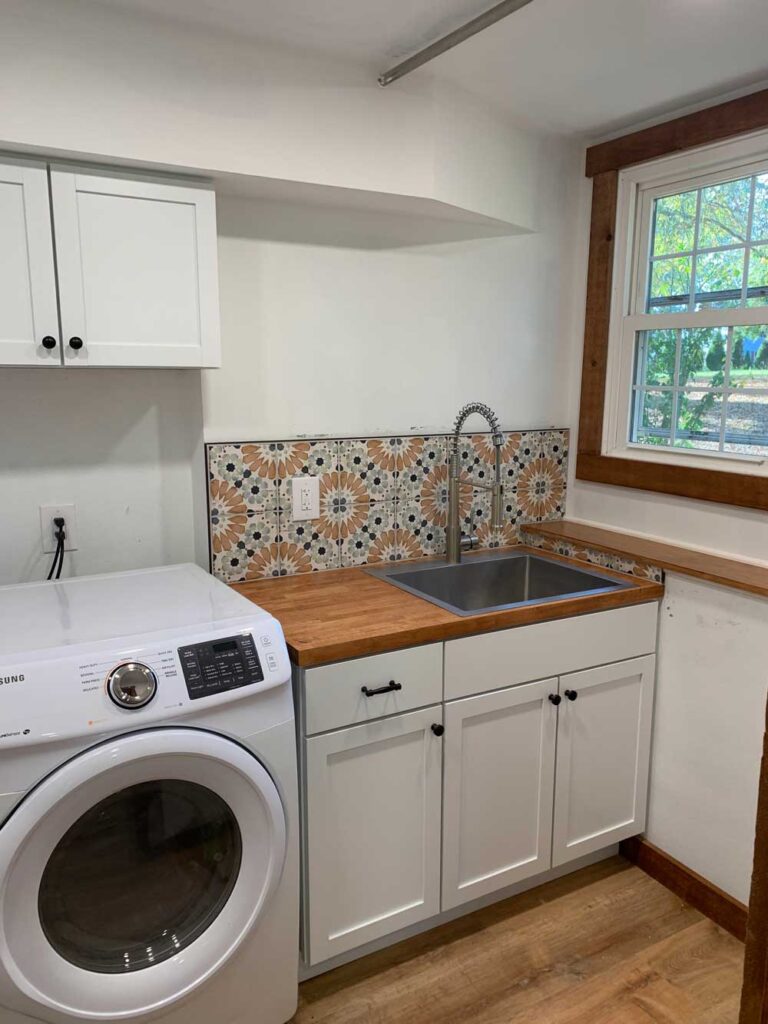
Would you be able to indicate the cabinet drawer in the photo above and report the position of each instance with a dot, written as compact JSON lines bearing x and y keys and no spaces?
{"x":334,"y":697}
{"x":488,"y":662}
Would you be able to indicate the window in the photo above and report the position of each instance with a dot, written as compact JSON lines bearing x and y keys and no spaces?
{"x":688,"y":343}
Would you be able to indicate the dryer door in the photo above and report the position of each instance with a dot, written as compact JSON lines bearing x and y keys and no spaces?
{"x":130,"y":874}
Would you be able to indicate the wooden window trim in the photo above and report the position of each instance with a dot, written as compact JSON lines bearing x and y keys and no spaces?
{"x":603,"y":163}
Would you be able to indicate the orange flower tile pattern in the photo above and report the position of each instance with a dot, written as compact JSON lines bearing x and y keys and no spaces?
{"x":607,"y":559}
{"x":381,"y":499}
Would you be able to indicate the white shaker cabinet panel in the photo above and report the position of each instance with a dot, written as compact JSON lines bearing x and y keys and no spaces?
{"x":137,"y":271}
{"x":603,"y":754}
{"x":29,"y":324}
{"x":499,"y":777}
{"x":372,"y":830}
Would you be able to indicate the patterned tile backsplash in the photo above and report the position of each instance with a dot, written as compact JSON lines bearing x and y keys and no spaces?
{"x":381,"y":498}
{"x":595,"y":556}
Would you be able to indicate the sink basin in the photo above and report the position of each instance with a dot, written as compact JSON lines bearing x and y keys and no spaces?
{"x":494,"y":582}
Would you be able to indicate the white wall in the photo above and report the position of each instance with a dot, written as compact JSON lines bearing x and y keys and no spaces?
{"x":712,"y":677}
{"x":320,"y":338}
{"x":78,"y":76}
{"x":125,"y":446}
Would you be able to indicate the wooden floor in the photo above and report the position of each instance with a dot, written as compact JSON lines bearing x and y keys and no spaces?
{"x":607,"y":945}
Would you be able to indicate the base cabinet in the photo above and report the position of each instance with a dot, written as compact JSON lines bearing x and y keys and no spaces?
{"x":603,"y":755}
{"x":497,"y":790}
{"x":419,"y":812}
{"x":372,"y":830}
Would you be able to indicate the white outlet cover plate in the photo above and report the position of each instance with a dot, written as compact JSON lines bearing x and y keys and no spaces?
{"x":305,"y":498}
{"x":47,"y":514}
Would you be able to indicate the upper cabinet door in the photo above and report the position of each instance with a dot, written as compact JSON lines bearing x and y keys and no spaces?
{"x":498,"y":783}
{"x":603,"y":754}
{"x":137,"y":268}
{"x":29,"y":322}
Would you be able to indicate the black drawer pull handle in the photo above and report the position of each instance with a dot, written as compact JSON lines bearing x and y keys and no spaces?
{"x":389,"y":688}
{"x":438,"y":730}
{"x":571,"y":694}
{"x":555,"y":698}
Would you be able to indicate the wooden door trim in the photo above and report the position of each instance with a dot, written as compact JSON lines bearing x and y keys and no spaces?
{"x":754,"y":994}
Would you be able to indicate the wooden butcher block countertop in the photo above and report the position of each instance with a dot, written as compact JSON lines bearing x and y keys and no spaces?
{"x":347,"y":613}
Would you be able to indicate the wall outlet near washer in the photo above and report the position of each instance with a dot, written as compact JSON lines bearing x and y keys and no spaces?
{"x":305,"y":498}
{"x":48,"y":528}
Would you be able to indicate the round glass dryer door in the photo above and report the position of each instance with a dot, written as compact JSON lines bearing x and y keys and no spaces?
{"x":152,"y":854}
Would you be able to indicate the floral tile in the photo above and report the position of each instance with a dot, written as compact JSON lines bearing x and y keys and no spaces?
{"x":369,"y":534}
{"x":235,"y":466}
{"x":373,"y":462}
{"x":540,"y":489}
{"x":604,"y":559}
{"x":249,"y":550}
{"x":307,"y":545}
{"x":420,"y":464}
{"x":417,"y":532}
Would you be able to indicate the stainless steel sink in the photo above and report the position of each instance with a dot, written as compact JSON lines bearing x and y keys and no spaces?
{"x":496,"y":581}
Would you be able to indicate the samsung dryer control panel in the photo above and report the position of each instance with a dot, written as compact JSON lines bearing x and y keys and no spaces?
{"x":219,"y":665}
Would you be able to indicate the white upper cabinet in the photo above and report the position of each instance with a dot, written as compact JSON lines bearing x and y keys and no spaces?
{"x":603,"y":757}
{"x":29,"y":321}
{"x":136,"y":265}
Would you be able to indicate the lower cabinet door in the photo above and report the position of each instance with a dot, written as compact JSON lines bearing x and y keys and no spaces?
{"x":498,"y":786}
{"x":603,"y":753}
{"x":373,"y":830}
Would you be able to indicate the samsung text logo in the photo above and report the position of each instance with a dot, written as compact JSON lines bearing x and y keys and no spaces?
{"x":7,"y":680}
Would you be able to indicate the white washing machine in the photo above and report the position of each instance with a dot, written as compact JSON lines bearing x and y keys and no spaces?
{"x":148,"y":803}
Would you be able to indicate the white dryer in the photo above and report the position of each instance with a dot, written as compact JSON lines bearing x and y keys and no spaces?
{"x":148,"y":804}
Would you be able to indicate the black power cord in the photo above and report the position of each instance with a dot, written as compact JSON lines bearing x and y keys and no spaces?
{"x":58,"y":558}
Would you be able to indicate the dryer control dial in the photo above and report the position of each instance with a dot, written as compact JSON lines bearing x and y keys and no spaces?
{"x":132,"y":685}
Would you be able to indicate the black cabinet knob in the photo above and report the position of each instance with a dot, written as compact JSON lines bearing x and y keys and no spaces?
{"x":76,"y":343}
{"x":438,"y":730}
{"x":48,"y":342}
{"x":571,"y":694}
{"x":555,"y":698}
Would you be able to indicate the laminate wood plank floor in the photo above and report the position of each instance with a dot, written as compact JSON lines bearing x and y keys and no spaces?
{"x":606,"y":945}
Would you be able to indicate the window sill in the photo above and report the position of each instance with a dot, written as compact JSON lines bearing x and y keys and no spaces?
{"x":747,"y":490}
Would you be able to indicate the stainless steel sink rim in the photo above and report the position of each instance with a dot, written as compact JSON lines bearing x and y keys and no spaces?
{"x":391,"y":572}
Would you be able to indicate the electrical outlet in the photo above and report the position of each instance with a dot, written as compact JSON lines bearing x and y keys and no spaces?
{"x":48,"y":528}
{"x":305,"y":498}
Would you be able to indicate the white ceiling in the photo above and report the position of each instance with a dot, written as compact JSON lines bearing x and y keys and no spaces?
{"x":573,"y":66}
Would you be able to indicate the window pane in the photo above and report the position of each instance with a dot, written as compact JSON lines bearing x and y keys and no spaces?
{"x":746,"y":424}
{"x":670,"y":285}
{"x":702,"y":356}
{"x":657,"y":349}
{"x":757,"y":278}
{"x":653,"y":417}
{"x":749,"y":358}
{"x":719,"y":277}
{"x":673,"y":223}
{"x":699,"y":415}
{"x":760,"y":214}
{"x":724,"y":210}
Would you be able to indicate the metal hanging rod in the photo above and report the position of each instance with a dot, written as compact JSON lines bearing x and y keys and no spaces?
{"x":482,"y":21}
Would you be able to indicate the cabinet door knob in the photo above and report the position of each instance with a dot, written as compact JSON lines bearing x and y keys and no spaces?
{"x":389,"y":688}
{"x":48,"y":342}
{"x":438,"y":730}
{"x":571,"y":694}
{"x":555,"y":698}
{"x":76,"y":343}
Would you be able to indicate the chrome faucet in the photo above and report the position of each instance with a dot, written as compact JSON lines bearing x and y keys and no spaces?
{"x":454,"y":541}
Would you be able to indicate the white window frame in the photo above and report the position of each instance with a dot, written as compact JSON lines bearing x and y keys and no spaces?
{"x":638,"y":187}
